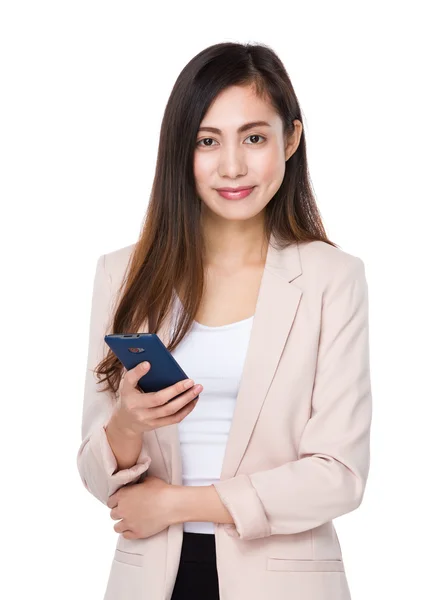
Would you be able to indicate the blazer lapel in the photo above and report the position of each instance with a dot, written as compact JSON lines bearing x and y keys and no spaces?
{"x":277,"y":303}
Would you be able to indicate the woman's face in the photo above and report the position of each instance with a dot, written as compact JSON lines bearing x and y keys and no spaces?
{"x":232,"y":158}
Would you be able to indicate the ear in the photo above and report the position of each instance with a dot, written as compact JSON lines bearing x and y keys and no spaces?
{"x":293,"y":141}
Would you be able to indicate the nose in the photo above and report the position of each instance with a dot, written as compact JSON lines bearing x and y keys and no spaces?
{"x":232,"y":163}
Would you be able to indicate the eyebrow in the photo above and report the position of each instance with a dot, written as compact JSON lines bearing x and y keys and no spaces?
{"x":241,"y":129}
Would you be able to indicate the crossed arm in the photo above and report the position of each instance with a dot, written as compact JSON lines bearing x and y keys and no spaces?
{"x":197,"y":503}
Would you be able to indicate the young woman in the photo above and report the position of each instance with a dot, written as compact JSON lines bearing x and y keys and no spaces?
{"x":238,"y":481}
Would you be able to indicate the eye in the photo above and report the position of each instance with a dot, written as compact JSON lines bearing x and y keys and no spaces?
{"x":203,"y":140}
{"x":254,"y":135}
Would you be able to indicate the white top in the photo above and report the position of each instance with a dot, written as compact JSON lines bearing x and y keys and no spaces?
{"x":213,"y":357}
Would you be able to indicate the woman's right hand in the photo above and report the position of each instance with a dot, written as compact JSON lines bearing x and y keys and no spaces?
{"x":137,"y":411}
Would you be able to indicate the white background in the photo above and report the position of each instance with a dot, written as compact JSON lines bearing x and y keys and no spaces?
{"x":84,"y":86}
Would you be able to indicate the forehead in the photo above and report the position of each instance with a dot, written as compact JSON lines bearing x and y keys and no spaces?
{"x":237,"y":105}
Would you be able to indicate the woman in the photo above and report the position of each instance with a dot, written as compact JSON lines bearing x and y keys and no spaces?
{"x":235,"y":492}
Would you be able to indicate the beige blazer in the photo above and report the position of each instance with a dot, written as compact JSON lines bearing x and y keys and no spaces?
{"x":298,"y":451}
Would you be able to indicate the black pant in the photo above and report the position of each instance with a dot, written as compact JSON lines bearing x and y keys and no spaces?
{"x":197,"y":573}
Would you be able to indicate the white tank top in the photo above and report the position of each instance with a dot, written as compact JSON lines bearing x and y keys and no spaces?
{"x":213,"y":357}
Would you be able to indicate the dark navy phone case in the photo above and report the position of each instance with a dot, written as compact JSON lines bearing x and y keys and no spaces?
{"x":134,"y":348}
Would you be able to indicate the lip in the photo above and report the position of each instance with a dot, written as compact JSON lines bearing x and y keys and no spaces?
{"x":236,"y":189}
{"x":237,"y":194}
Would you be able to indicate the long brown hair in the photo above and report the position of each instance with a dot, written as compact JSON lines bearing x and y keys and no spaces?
{"x":169,"y":253}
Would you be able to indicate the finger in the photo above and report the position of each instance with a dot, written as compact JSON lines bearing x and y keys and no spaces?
{"x":177,"y":416}
{"x":120,"y":526}
{"x":114,"y":514}
{"x":173,"y":407}
{"x":163,"y":396}
{"x":134,"y":375}
{"x":112,"y":501}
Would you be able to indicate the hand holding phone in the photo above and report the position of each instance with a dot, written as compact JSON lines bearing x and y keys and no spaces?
{"x":138,"y":411}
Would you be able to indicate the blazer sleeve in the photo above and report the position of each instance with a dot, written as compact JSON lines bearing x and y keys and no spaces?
{"x":329,"y":477}
{"x":96,"y":462}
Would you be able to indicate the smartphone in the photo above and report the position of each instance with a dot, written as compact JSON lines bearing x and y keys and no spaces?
{"x":134,"y":348}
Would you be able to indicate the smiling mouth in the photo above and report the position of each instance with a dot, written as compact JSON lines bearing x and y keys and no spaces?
{"x":238,"y":189}
{"x":235,"y":195}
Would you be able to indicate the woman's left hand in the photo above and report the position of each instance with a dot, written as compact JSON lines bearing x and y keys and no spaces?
{"x":144,"y":508}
